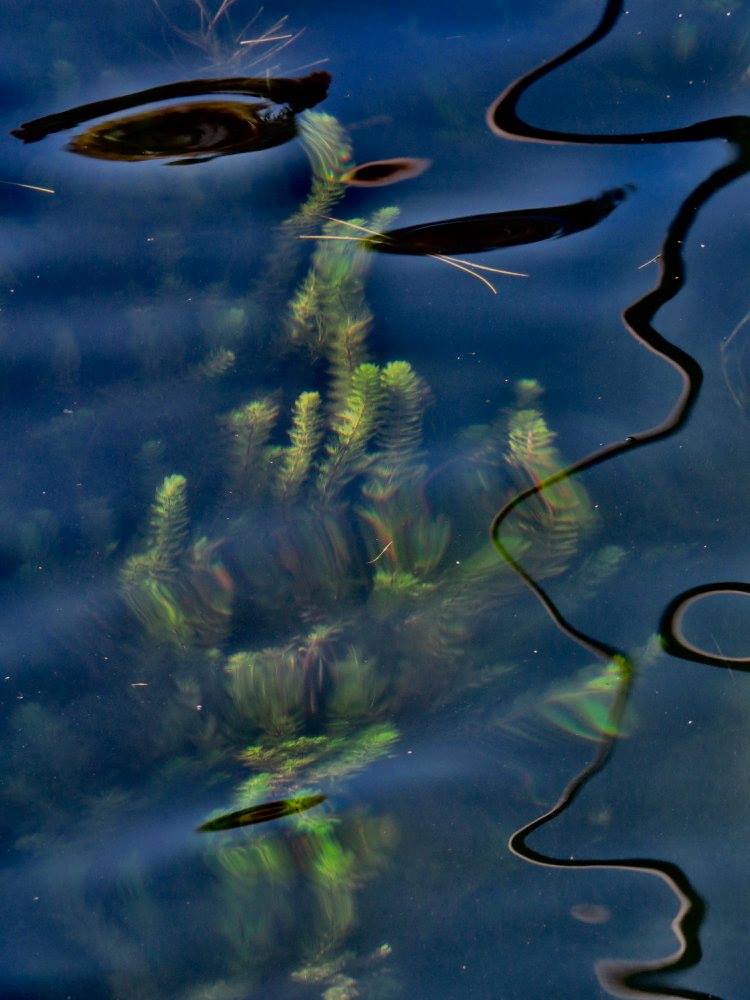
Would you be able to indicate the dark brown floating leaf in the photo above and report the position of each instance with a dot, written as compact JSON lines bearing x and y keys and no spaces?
{"x":198,"y":132}
{"x":477,"y":233}
{"x":296,"y":94}
{"x":261,"y":814}
{"x":379,"y":173}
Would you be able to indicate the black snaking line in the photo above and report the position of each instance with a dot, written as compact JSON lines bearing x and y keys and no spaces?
{"x":620,"y":978}
{"x":670,"y":625}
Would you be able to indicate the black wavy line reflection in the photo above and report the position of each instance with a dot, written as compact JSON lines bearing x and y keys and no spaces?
{"x":670,"y":625}
{"x":621,"y":978}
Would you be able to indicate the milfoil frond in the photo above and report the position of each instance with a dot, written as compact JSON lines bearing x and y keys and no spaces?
{"x":305,"y":436}
{"x":169,"y":525}
{"x":354,"y":424}
{"x":215,"y":364}
{"x":267,"y":690}
{"x":328,"y":148}
{"x":250,"y":427}
{"x":553,"y":520}
{"x":405,"y":397}
{"x":346,"y":350}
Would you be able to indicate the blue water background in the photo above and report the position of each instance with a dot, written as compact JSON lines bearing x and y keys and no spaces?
{"x":87,"y":267}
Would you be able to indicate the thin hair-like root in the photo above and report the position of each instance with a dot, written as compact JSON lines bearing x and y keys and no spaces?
{"x":466,"y":270}
{"x":29,"y":187}
{"x":467,"y":266}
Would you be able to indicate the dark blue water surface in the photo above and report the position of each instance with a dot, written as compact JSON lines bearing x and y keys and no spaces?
{"x":201,"y":614}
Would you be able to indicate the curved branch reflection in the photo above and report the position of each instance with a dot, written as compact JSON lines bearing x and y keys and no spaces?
{"x":670,"y":626}
{"x":621,"y":978}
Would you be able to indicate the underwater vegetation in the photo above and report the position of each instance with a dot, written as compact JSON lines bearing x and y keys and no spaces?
{"x":582,"y":706}
{"x":309,"y":875}
{"x":175,"y":589}
{"x":338,"y":584}
{"x":313,"y":575}
{"x":337,"y":531}
{"x":298,"y":583}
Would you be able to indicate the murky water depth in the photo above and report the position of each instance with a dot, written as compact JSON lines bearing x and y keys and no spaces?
{"x":256,"y":568}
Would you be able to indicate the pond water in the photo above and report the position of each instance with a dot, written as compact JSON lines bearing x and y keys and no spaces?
{"x":375,"y":621}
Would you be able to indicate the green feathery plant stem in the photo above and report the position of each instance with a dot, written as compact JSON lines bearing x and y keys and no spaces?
{"x":305,"y":436}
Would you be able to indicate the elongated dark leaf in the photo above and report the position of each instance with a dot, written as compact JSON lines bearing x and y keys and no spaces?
{"x":476,"y":233}
{"x":261,"y":814}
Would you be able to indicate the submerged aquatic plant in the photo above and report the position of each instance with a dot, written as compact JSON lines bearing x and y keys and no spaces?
{"x":361,"y":553}
{"x":339,"y":581}
{"x":313,"y":866}
{"x":329,"y":152}
{"x":581,"y":706}
{"x":295,"y":462}
{"x":249,"y":429}
{"x":180,"y":593}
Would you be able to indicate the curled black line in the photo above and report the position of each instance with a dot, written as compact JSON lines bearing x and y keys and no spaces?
{"x":620,"y":978}
{"x":673,"y":638}
{"x":503,"y":118}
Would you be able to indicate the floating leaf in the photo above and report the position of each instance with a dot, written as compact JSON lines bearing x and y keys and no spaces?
{"x":379,"y":173}
{"x":261,"y":814}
